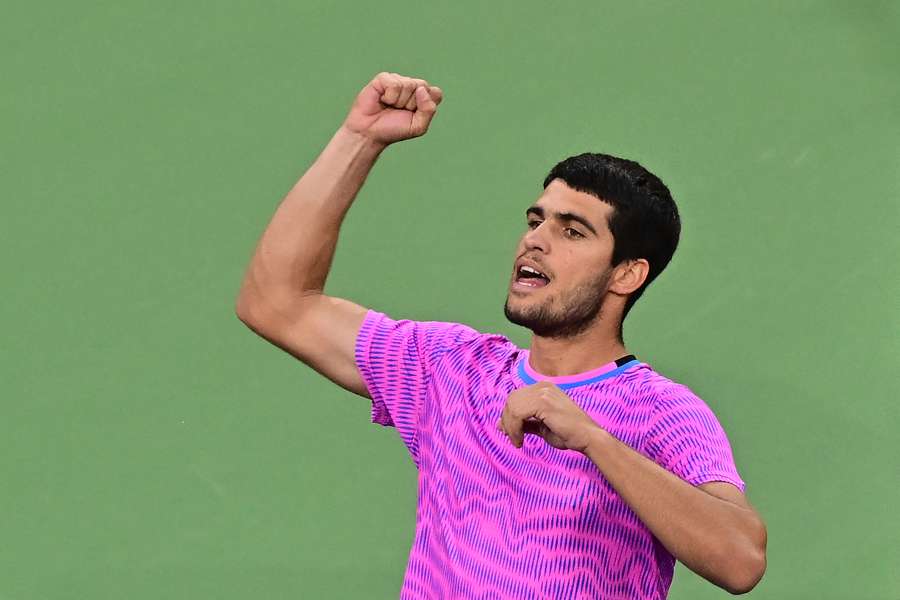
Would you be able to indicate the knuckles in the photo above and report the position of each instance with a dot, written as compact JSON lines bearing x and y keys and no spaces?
{"x":392,"y":79}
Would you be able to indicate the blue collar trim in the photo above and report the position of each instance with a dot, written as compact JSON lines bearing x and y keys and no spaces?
{"x":565,"y":386}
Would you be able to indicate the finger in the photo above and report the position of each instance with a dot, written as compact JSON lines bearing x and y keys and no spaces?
{"x":504,"y":423}
{"x":393,"y":88}
{"x":514,"y":429}
{"x":411,"y":102}
{"x":378,"y":82}
{"x":407,"y":91}
{"x":506,"y":416}
{"x":425,"y":110}
{"x":370,"y":95}
{"x":515,"y":418}
{"x":381,"y":82}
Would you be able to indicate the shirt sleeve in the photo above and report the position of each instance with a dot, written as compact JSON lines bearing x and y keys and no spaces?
{"x":686,"y":438}
{"x":396,"y":359}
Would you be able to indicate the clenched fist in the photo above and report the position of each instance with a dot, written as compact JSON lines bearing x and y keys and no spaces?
{"x":392,"y":108}
{"x":545,"y":410}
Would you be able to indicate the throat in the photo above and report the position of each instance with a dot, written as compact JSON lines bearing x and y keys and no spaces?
{"x":573,"y":356}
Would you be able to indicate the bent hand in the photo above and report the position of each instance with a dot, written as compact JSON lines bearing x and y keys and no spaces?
{"x":392,"y":108}
{"x":545,"y":410}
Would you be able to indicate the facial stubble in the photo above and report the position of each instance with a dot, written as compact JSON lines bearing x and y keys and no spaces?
{"x":573,"y":314}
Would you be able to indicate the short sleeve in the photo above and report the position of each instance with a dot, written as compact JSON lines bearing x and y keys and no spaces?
{"x":686,"y":438}
{"x":396,"y":359}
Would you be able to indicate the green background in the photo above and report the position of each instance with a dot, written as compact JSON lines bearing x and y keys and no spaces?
{"x":153,"y":447}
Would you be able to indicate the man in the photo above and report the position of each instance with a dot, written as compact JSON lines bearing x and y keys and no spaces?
{"x":568,"y":470}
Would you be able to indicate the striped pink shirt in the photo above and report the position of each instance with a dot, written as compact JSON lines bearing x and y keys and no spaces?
{"x":494,"y":521}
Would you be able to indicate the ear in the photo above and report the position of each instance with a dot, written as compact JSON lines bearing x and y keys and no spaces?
{"x":629,"y":275}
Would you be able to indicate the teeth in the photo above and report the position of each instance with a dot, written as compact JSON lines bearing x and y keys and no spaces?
{"x":528,"y":269}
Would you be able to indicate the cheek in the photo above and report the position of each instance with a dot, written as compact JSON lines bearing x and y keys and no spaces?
{"x":596,"y":256}
{"x":582,"y":268}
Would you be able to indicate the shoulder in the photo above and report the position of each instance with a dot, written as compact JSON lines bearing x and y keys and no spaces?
{"x":674,"y":406}
{"x":436,"y":338}
{"x":658,"y":393}
{"x":646,"y":384}
{"x":465,"y":340}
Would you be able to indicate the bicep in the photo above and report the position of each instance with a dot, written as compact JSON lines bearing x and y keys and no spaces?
{"x":320,"y":331}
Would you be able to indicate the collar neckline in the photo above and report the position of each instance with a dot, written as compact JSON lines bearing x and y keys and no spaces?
{"x":529,"y":376}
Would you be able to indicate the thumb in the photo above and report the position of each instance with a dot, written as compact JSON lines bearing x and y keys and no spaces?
{"x":436,"y":93}
{"x":425,"y":110}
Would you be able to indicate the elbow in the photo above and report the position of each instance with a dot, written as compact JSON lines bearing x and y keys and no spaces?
{"x":748,"y":565}
{"x":251,"y":305}
{"x":747,"y":576}
{"x":251,"y":310}
{"x":255,"y":305}
{"x":270,"y":314}
{"x":252,"y":301}
{"x":243,"y":308}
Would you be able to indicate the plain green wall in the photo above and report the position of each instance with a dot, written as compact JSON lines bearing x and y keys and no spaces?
{"x":153,"y":447}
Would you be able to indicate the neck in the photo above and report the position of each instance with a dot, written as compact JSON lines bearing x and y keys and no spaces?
{"x":593,"y":348}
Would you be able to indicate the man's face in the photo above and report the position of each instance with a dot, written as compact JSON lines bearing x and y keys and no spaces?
{"x":569,"y":243}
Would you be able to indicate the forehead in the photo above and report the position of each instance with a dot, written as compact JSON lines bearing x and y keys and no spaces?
{"x":559,"y":197}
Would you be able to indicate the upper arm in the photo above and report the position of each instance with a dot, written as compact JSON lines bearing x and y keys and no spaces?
{"x":726,"y":491}
{"x":731,"y":493}
{"x":319,"y":330}
{"x":389,"y":361}
{"x":685,"y":437}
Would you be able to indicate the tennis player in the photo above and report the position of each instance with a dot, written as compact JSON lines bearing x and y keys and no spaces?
{"x":567,"y":470}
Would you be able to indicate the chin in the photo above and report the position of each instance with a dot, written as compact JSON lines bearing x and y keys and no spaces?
{"x":520,"y":311}
{"x":518,"y":304}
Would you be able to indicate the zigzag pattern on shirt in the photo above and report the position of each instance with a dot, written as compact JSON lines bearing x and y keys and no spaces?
{"x":494,"y":521}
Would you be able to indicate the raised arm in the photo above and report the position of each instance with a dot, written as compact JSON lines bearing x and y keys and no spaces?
{"x":281,"y":297}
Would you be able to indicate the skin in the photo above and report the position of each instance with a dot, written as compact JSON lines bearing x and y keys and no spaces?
{"x":577,"y":255}
{"x":711,"y":528}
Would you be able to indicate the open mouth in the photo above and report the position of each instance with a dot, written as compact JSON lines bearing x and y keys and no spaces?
{"x":531,"y":277}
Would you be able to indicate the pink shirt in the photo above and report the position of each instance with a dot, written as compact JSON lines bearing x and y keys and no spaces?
{"x":494,"y":521}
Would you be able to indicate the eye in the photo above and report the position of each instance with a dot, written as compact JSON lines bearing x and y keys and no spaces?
{"x":573,"y":233}
{"x":533,"y":223}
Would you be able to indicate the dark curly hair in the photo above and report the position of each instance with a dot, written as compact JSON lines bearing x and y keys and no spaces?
{"x":644,"y":223}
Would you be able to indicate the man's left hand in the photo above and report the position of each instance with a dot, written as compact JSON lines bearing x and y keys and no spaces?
{"x":545,"y":410}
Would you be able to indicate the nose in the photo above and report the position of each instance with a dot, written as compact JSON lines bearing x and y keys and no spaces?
{"x":535,"y":239}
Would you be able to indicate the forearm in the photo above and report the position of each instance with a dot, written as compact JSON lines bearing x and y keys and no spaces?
{"x":294,"y":254}
{"x":711,"y":536}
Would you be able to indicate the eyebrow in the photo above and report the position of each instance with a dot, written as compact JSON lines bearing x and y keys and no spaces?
{"x":562,"y":216}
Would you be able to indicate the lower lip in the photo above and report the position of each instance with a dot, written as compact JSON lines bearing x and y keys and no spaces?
{"x":524,"y":287}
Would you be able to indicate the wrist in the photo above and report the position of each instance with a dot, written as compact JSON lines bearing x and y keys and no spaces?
{"x":360,"y":140}
{"x":598,"y":440}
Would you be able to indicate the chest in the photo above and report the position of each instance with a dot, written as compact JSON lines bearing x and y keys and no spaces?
{"x":472,"y":471}
{"x":470,"y":405}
